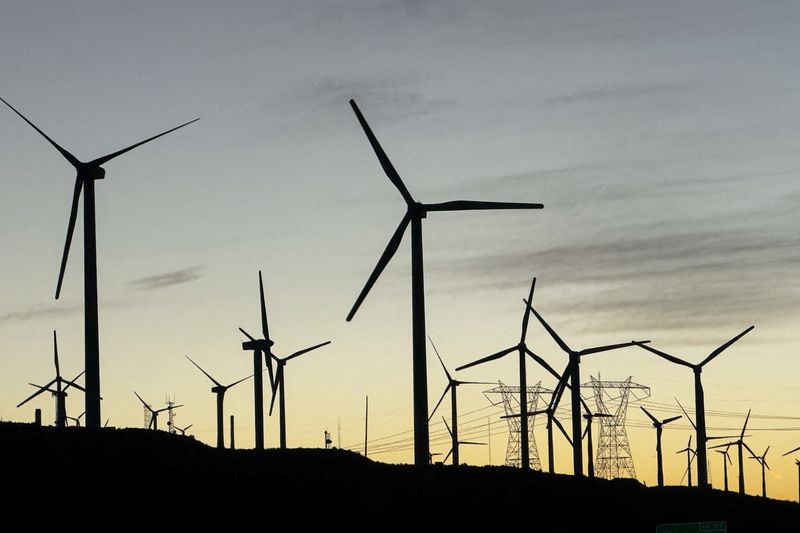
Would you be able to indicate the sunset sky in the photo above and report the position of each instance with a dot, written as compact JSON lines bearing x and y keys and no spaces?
{"x":663,"y":139}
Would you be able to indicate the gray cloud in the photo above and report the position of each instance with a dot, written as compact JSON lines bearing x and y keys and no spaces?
{"x":167,"y":279}
{"x":618,"y":94}
{"x":383,"y":100}
{"x":34,"y":313}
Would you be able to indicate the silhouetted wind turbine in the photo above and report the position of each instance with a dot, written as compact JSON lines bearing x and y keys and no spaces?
{"x":456,"y":443}
{"x":220,"y":390}
{"x":183,"y":430}
{"x":587,"y":433}
{"x":278,"y":387}
{"x":415,"y":212}
{"x":739,"y":444}
{"x":550,"y":412}
{"x":154,"y":412}
{"x":659,"y":425}
{"x":575,"y":384}
{"x":797,"y":462}
{"x":259,"y":347}
{"x":690,"y":455}
{"x":452,"y":386}
{"x":726,"y":458}
{"x":762,"y":460}
{"x":77,"y":419}
{"x":58,"y":392}
{"x":522,"y":350}
{"x":699,"y":399}
{"x":87,"y":173}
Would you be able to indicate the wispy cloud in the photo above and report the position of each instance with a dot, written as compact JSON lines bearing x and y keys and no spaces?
{"x":34,"y":313}
{"x":619,"y":93}
{"x":168,"y":279}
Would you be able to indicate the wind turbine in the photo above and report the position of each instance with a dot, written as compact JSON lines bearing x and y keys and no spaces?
{"x":690,"y":455}
{"x":522,"y":351}
{"x":415,"y":213}
{"x":659,"y":425}
{"x":183,"y":430}
{"x":259,"y":347}
{"x":762,"y":460}
{"x":575,"y":383}
{"x":220,"y":390}
{"x":699,"y":399}
{"x":59,"y":393}
{"x":87,"y":173}
{"x":739,"y":444}
{"x":452,"y":386}
{"x":589,"y":415}
{"x":278,"y":386}
{"x":456,"y":443}
{"x":726,"y":458}
{"x":77,"y":419}
{"x":550,"y":412}
{"x":154,"y":412}
{"x":797,"y":462}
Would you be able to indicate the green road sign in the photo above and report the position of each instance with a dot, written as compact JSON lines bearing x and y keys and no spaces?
{"x":697,"y":527}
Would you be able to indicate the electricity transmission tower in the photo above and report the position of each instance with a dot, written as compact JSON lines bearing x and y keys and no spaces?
{"x":510,"y":400}
{"x":614,"y":458}
{"x":171,"y":412}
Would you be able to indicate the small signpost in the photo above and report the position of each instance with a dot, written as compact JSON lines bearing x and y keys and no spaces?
{"x":696,"y":527}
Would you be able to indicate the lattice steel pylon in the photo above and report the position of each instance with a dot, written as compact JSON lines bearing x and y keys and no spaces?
{"x":510,"y":400}
{"x":171,"y":412}
{"x":614,"y":458}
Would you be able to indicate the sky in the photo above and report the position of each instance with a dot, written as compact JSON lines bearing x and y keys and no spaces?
{"x":660,"y":136}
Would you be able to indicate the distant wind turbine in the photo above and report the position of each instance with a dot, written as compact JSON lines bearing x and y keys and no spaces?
{"x":587,"y":434}
{"x":456,"y":443}
{"x":415,"y":213}
{"x":154,"y":412}
{"x":726,"y":459}
{"x":762,"y":460}
{"x":58,"y":392}
{"x":452,"y":387}
{"x":220,"y":390}
{"x":739,"y":444}
{"x":699,"y":399}
{"x":690,"y":455}
{"x":575,"y":383}
{"x":797,"y":462}
{"x":522,"y":353}
{"x":278,"y":387}
{"x":87,"y":173}
{"x":77,"y":419}
{"x":659,"y":425}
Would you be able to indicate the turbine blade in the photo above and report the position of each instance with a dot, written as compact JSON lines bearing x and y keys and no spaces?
{"x":449,"y":377}
{"x":388,"y":168}
{"x":670,"y":419}
{"x":55,"y":354}
{"x":68,"y":156}
{"x":106,"y":158}
{"x":488,"y":358}
{"x":264,"y":326}
{"x":278,"y":379}
{"x":446,"y":457}
{"x":35,"y":394}
{"x":476,"y":383}
{"x":247,"y":335}
{"x":550,"y":330}
{"x":585,"y":431}
{"x":610,"y":347}
{"x":744,"y":427}
{"x":471,"y":205}
{"x":655,"y":422}
{"x":306,"y":350}
{"x":450,"y":431}
{"x":686,"y":414}
{"x":472,"y":443}
{"x":560,"y":387}
{"x":726,"y":445}
{"x":387,"y":255}
{"x":447,"y":388}
{"x":237,"y":382}
{"x":143,"y":402}
{"x":665,"y":355}
{"x":217,"y":383}
{"x":73,"y":384}
{"x":73,"y":215}
{"x":527,"y":315}
{"x":543,"y":363}
{"x":563,"y":431}
{"x":725,"y":346}
{"x":791,"y":451}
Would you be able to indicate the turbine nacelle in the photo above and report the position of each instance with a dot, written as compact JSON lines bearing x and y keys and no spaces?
{"x":87,"y":171}
{"x":263,"y":345}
